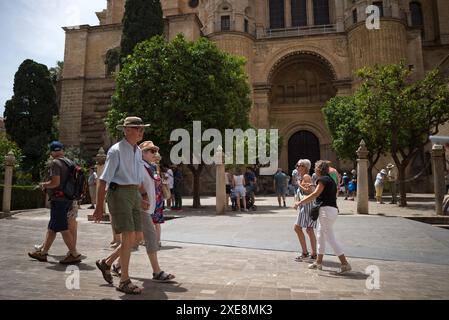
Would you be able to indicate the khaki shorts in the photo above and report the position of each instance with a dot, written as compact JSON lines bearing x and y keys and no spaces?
{"x":125,"y":205}
{"x":379,"y":191}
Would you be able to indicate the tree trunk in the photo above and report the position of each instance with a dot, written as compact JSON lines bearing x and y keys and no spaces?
{"x":196,"y":172}
{"x":402,"y":190}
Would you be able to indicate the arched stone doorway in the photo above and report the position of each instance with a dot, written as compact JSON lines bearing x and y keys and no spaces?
{"x":301,"y":84}
{"x":303,"y":145}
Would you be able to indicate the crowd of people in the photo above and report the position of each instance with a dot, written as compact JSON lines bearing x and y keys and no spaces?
{"x":137,"y":189}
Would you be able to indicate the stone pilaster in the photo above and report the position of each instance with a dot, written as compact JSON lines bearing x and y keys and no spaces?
{"x":310,"y":18}
{"x":339,"y":15}
{"x":261,"y":106}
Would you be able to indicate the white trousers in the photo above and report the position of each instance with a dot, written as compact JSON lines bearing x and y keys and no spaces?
{"x":325,"y":231}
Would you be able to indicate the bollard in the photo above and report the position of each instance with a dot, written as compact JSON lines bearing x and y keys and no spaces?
{"x":10,"y":161}
{"x":220,"y":185}
{"x":362,"y":179}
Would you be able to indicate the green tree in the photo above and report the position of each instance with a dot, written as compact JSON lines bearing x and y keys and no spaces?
{"x":143,"y":19}
{"x":342,"y":117}
{"x":29,"y":114}
{"x":7,"y":145}
{"x":408,"y":112}
{"x":172,"y":84}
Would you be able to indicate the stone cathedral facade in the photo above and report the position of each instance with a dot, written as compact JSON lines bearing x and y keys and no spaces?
{"x":300,"y":53}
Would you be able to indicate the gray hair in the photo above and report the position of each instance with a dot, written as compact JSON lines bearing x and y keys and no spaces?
{"x":305,"y":162}
{"x":323,"y":166}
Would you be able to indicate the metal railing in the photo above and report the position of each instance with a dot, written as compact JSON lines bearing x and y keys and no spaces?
{"x":232,"y":26}
{"x":299,"y":31}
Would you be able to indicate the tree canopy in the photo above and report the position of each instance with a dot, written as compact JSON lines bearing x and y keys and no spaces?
{"x":391,"y":113}
{"x":142,"y":20}
{"x":29,"y":113}
{"x":172,"y":84}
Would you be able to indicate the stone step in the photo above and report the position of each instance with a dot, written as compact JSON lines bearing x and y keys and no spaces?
{"x":443,"y":226}
{"x":436,"y":220}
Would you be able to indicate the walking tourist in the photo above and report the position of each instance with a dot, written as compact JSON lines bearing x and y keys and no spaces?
{"x":392,"y":178}
{"x":60,"y":208}
{"x":148,"y":233}
{"x":325,"y":194}
{"x":92,"y":183}
{"x":304,"y":220}
{"x":280,"y":185}
{"x":126,"y":196}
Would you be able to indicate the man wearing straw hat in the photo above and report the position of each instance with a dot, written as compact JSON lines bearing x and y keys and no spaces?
{"x":126,"y":196}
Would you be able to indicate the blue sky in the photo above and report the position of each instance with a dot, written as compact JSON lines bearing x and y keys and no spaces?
{"x":31,"y":29}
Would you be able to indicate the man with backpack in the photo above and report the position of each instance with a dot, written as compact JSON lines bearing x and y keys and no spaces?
{"x":61,"y":191}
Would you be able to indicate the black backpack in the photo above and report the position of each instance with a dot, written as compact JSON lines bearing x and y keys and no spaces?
{"x":75,"y":185}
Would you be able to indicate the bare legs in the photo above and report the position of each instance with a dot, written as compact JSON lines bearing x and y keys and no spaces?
{"x":302,"y":239}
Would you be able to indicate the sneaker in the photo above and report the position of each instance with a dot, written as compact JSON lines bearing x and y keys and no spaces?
{"x":91,"y":207}
{"x":344,"y":268}
{"x":70,"y":259}
{"x":315,"y":266}
{"x":38,"y":247}
{"x":38,"y":255}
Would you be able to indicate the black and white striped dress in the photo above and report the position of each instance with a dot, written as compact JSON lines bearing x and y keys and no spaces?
{"x":304,"y":220}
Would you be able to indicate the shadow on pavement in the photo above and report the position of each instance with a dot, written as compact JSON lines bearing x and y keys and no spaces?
{"x":56,"y":266}
{"x":170,"y":247}
{"x":155,"y":290}
{"x":356,"y":275}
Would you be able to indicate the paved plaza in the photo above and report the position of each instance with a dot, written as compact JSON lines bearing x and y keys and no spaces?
{"x":241,"y":256}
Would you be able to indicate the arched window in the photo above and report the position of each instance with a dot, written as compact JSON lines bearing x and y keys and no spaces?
{"x":299,"y":13}
{"x":416,"y":11}
{"x":380,"y":5}
{"x":321,"y":12}
{"x":277,"y":14}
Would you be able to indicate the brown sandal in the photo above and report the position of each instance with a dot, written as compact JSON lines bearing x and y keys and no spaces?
{"x":105,"y":270}
{"x":128,"y":287}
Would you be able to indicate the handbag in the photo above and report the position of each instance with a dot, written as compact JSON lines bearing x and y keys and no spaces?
{"x":315,"y":210}
{"x":166,"y":192}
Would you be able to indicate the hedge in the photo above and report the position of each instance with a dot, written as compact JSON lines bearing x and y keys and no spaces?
{"x":24,"y":197}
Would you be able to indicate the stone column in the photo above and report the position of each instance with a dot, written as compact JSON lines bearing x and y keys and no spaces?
{"x":438,"y":169}
{"x":288,"y":13}
{"x":220,"y":185}
{"x":261,"y":105}
{"x":10,"y":161}
{"x":362,"y":179}
{"x":310,"y":18}
{"x":339,"y":15}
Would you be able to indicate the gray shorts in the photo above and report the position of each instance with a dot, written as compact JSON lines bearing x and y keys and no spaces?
{"x":149,"y":233}
{"x":73,"y":211}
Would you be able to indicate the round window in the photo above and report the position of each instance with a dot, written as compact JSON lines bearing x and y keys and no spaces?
{"x":193,"y":3}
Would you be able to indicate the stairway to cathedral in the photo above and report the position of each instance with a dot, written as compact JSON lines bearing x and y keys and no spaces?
{"x":97,"y":100}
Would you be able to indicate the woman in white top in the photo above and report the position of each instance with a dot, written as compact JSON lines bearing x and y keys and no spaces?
{"x":238,"y":182}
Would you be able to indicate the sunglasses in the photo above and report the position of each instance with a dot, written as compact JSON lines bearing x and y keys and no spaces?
{"x":149,"y":150}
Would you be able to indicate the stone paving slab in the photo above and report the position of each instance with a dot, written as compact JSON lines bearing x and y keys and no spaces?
{"x":204,"y":271}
